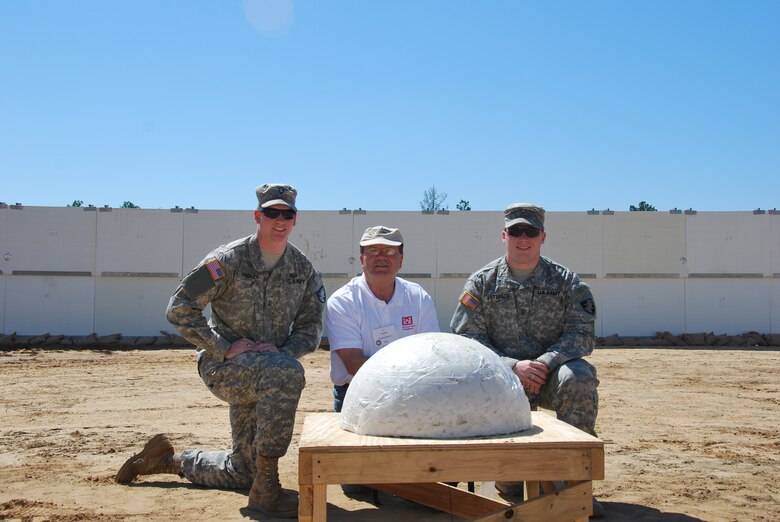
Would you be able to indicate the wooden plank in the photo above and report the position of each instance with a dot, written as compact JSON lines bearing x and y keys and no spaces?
{"x":571,"y":503}
{"x":305,"y":502}
{"x":323,"y":430}
{"x":304,"y":467}
{"x":597,"y":463}
{"x":403,"y":465}
{"x":305,"y":488}
{"x":444,"y":498}
{"x":320,"y":504}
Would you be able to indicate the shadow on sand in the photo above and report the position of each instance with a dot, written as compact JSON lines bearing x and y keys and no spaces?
{"x":622,"y":512}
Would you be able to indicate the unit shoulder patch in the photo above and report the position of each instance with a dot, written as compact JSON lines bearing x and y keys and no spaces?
{"x":589,"y":306}
{"x":203,"y":278}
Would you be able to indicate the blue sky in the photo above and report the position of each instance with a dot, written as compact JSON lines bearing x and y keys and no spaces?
{"x":365,"y":104}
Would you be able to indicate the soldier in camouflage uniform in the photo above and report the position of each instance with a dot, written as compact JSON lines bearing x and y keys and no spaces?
{"x":266,"y":311}
{"x":538,"y":316}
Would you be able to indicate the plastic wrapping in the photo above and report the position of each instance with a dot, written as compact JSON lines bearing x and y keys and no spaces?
{"x":435,"y":385}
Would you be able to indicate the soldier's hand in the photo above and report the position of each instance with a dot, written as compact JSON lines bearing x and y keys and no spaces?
{"x":264,"y":347}
{"x":532,"y":374}
{"x":239,"y":347}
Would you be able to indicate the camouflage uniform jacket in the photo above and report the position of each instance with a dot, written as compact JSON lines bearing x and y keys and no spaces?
{"x":283,"y":307}
{"x":548,"y":317}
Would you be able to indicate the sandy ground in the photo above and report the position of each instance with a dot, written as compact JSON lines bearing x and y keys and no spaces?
{"x":690,"y":435}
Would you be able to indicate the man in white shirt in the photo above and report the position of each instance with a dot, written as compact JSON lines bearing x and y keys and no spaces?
{"x":374,"y":309}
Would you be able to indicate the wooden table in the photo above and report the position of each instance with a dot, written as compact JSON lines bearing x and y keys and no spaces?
{"x":415,"y":468}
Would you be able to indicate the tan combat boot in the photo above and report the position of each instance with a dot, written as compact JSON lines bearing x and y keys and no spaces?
{"x":156,"y":457}
{"x":267,"y":495}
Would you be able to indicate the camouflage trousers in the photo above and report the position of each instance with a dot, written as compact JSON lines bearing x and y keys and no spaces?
{"x":262,"y":390}
{"x":571,"y":392}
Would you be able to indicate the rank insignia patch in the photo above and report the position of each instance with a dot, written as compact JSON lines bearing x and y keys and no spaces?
{"x":469,"y":301}
{"x":215,"y":269}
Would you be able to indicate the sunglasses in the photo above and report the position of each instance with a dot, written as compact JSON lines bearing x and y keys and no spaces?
{"x":274,"y":213}
{"x":517,"y":231}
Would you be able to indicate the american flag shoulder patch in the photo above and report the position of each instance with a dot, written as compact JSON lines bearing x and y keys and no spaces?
{"x":215,"y":269}
{"x":469,"y":301}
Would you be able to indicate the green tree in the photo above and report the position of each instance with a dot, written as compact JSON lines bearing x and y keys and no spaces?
{"x":433,"y":200}
{"x":77,"y":203}
{"x":643,"y":207}
{"x":129,"y":204}
{"x":463,"y":205}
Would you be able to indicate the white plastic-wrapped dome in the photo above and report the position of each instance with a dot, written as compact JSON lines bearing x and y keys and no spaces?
{"x":435,"y":385}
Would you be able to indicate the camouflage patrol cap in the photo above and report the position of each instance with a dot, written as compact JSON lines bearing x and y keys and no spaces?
{"x":524,"y":214}
{"x":271,"y":194}
{"x":381,"y":235}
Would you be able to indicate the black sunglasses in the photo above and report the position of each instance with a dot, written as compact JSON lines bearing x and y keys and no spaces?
{"x":517,"y":231}
{"x":274,"y":213}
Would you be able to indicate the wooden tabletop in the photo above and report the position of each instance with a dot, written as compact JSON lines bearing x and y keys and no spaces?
{"x":323,"y":431}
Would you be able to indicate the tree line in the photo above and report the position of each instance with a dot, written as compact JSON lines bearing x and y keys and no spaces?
{"x":433,"y":200}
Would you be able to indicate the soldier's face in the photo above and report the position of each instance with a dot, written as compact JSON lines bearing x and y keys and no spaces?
{"x":523,"y":251}
{"x":275,"y":229}
{"x":377,"y":263}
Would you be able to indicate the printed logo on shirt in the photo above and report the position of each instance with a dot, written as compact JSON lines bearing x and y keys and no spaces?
{"x":215,"y":269}
{"x":407,"y":322}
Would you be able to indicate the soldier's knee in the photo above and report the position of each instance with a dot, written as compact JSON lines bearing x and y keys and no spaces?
{"x":291,"y":373}
{"x":577,"y":375}
{"x":577,"y":370}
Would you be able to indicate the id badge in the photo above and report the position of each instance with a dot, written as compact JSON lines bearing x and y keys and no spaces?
{"x":383,"y":336}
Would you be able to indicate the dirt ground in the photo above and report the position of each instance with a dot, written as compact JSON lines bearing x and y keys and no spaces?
{"x":690,"y":435}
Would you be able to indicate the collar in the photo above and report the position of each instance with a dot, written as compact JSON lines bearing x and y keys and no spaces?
{"x":393,"y":300}
{"x":256,"y":258}
{"x":505,"y":274}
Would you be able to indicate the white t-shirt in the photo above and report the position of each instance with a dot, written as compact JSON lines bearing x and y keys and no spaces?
{"x":358,"y":319}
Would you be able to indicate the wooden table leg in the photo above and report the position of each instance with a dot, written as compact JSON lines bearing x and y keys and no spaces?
{"x":305,"y":502}
{"x":320,"y":503}
{"x":531,"y":489}
{"x":305,"y":488}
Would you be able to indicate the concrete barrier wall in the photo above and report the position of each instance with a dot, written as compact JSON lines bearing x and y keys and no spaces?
{"x":74,"y":271}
